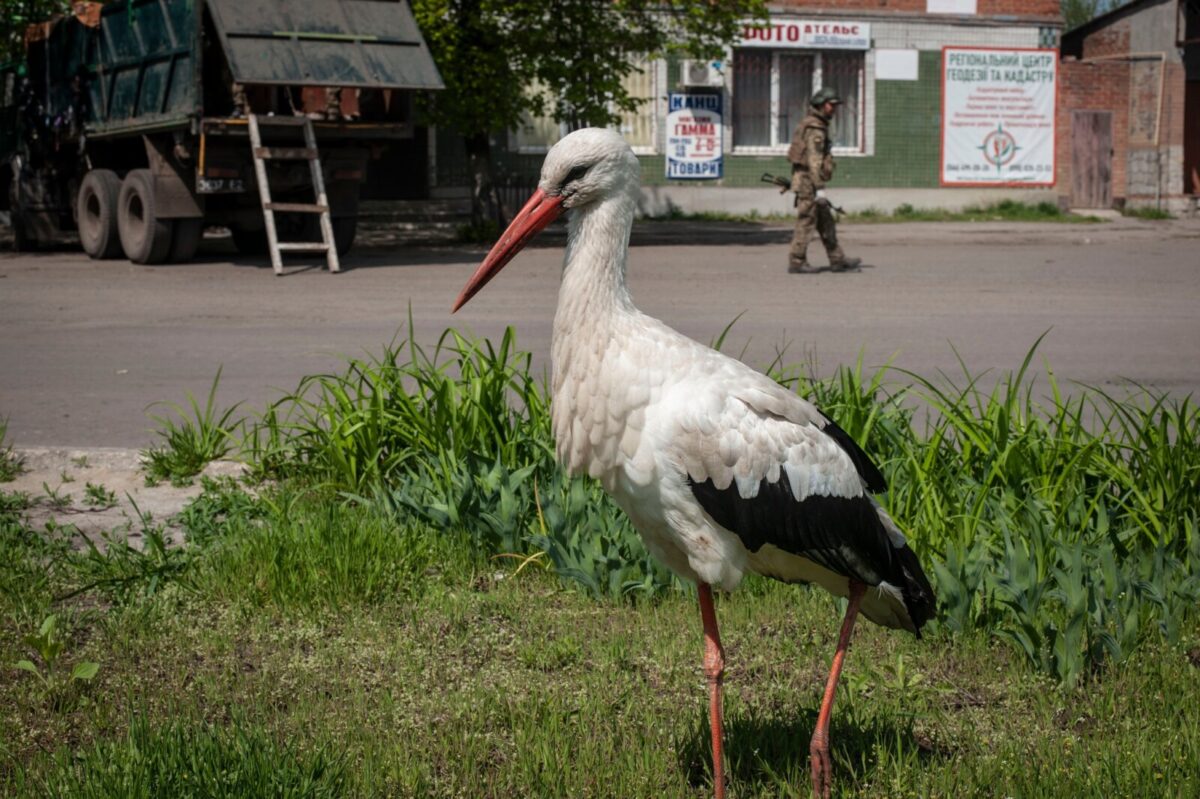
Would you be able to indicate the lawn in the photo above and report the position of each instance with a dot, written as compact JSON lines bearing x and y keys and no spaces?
{"x":407,"y":599}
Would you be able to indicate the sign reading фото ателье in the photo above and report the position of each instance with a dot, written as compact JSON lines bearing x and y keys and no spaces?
{"x":694,"y":136}
{"x":998,"y":116}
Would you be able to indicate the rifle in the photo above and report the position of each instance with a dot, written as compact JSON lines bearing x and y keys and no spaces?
{"x":785,"y":185}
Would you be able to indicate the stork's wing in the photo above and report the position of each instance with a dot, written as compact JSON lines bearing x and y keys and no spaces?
{"x":771,"y":468}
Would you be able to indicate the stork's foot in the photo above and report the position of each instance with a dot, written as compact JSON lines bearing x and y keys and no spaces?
{"x":822,"y":770}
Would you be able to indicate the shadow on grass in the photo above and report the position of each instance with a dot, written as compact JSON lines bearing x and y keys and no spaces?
{"x":772,"y":748}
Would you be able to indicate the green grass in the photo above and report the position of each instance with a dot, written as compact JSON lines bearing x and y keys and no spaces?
{"x":1003,"y":211}
{"x":415,"y":602}
{"x":1147,"y":213}
{"x":11,"y":464}
{"x":190,"y":442}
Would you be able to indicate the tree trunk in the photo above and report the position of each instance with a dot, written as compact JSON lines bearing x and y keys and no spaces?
{"x":485,"y":200}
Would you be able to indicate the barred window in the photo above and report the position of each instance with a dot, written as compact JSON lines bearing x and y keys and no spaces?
{"x":771,"y":89}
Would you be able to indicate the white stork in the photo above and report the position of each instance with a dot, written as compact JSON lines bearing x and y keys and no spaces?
{"x":720,"y":469}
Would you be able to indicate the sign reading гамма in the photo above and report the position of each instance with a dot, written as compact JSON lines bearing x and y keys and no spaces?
{"x":998,"y":116}
{"x":694,"y":136}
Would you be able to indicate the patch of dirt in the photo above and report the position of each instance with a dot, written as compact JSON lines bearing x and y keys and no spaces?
{"x":57,"y":482}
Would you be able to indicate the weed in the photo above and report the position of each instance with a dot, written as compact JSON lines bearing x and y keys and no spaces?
{"x":99,"y":497}
{"x":13,"y":502}
{"x":11,"y":463}
{"x":190,"y":443}
{"x":48,"y":645}
{"x":55,"y":499}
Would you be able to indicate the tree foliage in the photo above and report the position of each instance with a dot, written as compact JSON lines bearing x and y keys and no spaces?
{"x":1077,"y":12}
{"x":17,"y":16}
{"x":503,"y":59}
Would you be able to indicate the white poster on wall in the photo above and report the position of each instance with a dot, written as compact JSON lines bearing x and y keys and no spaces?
{"x":694,"y":136}
{"x":998,"y":110}
{"x":896,"y":65}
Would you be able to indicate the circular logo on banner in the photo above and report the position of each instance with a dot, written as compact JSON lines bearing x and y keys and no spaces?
{"x":999,"y":147}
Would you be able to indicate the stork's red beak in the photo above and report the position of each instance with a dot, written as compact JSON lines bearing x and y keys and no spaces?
{"x":540,"y":210}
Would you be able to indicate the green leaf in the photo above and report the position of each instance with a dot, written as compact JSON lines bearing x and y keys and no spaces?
{"x":27,"y":665}
{"x":85,"y":670}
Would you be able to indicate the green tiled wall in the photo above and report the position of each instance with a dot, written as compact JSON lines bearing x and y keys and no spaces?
{"x":907,"y":133}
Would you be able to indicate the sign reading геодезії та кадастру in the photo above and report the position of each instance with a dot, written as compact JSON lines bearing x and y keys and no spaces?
{"x":998,"y":116}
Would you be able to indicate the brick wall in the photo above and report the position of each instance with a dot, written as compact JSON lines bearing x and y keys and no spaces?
{"x":1096,"y":86}
{"x":1041,"y":9}
{"x":1113,"y":40}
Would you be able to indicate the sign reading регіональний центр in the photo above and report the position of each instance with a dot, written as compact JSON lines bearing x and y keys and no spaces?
{"x":694,"y":136}
{"x":998,"y":116}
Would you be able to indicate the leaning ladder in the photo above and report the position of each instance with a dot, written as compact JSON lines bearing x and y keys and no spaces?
{"x":321,"y":207}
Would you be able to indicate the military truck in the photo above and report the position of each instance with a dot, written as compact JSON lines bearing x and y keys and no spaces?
{"x":140,"y":123}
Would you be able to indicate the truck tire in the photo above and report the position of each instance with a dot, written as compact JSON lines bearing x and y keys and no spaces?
{"x":96,"y":214}
{"x":145,"y":238}
{"x":185,"y":239}
{"x":344,"y":228}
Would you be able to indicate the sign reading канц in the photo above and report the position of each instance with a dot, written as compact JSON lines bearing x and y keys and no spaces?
{"x":694,"y":136}
{"x":998,"y":116}
{"x":825,"y":34}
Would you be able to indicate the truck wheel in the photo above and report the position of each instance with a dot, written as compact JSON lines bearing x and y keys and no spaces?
{"x":96,"y":213}
{"x":145,"y":238}
{"x":344,"y":228}
{"x":185,"y":239}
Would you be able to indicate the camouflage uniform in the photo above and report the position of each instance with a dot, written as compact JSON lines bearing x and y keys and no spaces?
{"x":812,"y":168}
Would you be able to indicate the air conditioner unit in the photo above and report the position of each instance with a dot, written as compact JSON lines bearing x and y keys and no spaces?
{"x":701,"y":73}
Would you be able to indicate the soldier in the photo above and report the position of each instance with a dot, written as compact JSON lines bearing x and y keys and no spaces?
{"x":812,"y":168}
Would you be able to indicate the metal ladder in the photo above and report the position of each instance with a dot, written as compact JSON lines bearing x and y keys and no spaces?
{"x":321,"y":207}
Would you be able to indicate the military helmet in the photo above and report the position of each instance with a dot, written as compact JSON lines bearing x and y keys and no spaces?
{"x":825,"y":95}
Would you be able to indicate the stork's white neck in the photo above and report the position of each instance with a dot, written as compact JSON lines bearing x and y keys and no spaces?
{"x":593,"y":281}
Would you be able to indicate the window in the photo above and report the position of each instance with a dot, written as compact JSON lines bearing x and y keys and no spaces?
{"x":537,"y":135}
{"x":771,"y":89}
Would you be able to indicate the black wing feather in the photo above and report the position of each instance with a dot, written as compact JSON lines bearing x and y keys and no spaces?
{"x":867,"y":469}
{"x":843,"y":534}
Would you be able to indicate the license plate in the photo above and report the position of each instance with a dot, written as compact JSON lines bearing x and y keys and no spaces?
{"x":220,"y":185}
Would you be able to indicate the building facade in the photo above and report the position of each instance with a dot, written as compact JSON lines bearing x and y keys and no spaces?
{"x":884,"y":57}
{"x":1129,"y":110}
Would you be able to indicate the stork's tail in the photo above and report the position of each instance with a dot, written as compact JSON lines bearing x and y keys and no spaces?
{"x":915,"y":590}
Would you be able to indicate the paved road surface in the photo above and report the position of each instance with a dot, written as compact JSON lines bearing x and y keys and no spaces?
{"x":85,"y":346}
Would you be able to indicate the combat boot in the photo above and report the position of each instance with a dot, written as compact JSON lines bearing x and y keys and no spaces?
{"x":845,"y":265}
{"x":797,"y":266}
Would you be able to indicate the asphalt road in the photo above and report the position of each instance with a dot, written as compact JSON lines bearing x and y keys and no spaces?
{"x":86,"y":346}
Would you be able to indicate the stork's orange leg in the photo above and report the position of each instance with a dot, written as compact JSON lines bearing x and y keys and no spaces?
{"x":714,"y":671}
{"x":819,"y":748}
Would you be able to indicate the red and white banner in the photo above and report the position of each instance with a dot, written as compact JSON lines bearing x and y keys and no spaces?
{"x":998,"y":116}
{"x":811,"y":33}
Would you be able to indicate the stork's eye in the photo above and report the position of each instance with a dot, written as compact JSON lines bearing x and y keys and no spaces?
{"x":575,"y":174}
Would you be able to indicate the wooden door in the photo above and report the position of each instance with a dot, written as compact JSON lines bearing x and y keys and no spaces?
{"x":1091,"y":159}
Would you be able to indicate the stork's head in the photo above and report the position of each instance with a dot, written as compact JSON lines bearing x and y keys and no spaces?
{"x":585,"y":167}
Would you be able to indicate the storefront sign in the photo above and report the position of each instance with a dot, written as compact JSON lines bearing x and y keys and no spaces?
{"x":998,"y":117}
{"x":819,"y":34}
{"x":694,"y":136}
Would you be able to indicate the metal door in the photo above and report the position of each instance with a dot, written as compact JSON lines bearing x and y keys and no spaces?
{"x":1091,"y":159}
